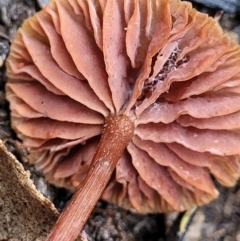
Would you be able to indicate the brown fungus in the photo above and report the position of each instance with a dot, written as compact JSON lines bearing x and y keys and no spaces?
{"x":79,"y":67}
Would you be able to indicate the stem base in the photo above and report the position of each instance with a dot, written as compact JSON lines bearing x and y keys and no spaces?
{"x":118,"y":131}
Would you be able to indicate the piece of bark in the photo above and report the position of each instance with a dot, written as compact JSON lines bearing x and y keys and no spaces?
{"x":25,"y":214}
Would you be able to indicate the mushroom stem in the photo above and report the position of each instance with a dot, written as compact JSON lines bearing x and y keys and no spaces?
{"x":118,"y":131}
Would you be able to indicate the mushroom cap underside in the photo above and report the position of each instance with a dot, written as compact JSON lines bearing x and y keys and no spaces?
{"x":168,"y":67}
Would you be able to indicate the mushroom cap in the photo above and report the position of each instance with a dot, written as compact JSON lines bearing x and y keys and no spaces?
{"x":168,"y":67}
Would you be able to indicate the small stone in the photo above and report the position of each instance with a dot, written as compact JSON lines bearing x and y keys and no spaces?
{"x":42,"y":3}
{"x":228,"y":238}
{"x":238,"y":236}
{"x":1,"y":61}
{"x":227,"y":6}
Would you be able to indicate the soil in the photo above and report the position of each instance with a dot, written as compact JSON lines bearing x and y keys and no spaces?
{"x":218,"y":221}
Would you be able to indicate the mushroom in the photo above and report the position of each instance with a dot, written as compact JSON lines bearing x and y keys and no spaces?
{"x":133,"y":101}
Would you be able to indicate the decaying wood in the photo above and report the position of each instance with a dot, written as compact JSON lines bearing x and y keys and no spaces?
{"x":25,"y":214}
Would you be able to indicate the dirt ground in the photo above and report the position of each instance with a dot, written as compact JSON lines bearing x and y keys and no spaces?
{"x":218,"y":221}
